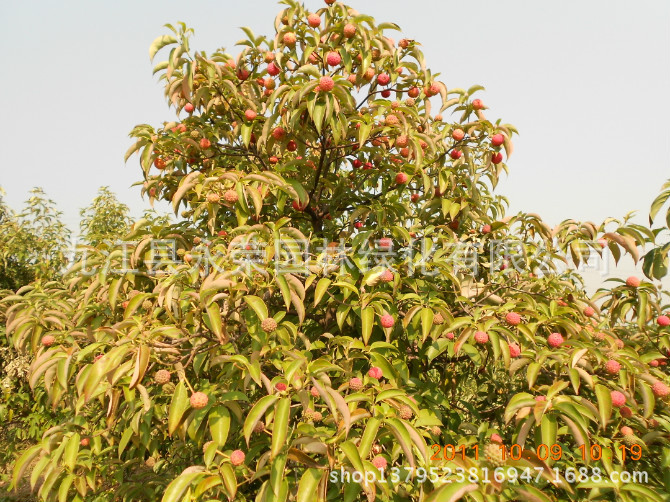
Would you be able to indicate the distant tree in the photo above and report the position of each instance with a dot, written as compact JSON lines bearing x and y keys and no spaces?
{"x":105,"y":219}
{"x":33,"y":243}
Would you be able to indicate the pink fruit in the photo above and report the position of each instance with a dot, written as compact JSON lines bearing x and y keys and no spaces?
{"x":402,"y":141}
{"x":415,"y":197}
{"x":660,"y":389}
{"x":663,"y":320}
{"x":85,"y":442}
{"x":386,"y":93}
{"x":514,"y":350}
{"x":326,"y":84}
{"x":250,"y":114}
{"x":458,"y":134}
{"x":383,"y":79}
{"x":455,"y":154}
{"x":626,"y":431}
{"x":450,"y":336}
{"x":387,"y":321}
{"x":237,"y":457}
{"x":349,"y":30}
{"x":188,"y":108}
{"x":589,"y":311}
{"x":602,"y":242}
{"x":513,"y":318}
{"x":486,"y":229}
{"x":273,"y":69}
{"x":314,"y":392}
{"x":555,"y":340}
{"x":387,"y":276}
{"x":199,"y":400}
{"x":278,"y":133}
{"x":243,"y":73}
{"x":375,"y":372}
{"x":48,"y":340}
{"x":314,"y":20}
{"x":477,"y":104}
{"x":289,"y":39}
{"x":618,"y":399}
{"x":162,"y":377}
{"x":612,"y":367}
{"x":205,"y":143}
{"x":385,"y":243}
{"x":497,"y":158}
{"x":481,"y":337}
{"x":355,"y":384}
{"x":269,"y":325}
{"x":497,"y":139}
{"x":654,"y":363}
{"x":379,"y":462}
{"x":633,"y":281}
{"x":495,"y":438}
{"x":333,"y":58}
{"x":281,"y":387}
{"x":230,"y":196}
{"x":401,"y":178}
{"x":626,"y":412}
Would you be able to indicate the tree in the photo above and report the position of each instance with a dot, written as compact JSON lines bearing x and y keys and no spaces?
{"x":34,"y":242}
{"x":346,"y":295}
{"x":106,"y":219}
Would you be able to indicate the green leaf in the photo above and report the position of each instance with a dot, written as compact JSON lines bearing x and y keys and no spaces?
{"x":71,"y":451}
{"x":159,"y":43}
{"x":451,"y":492}
{"x":178,"y":406}
{"x":258,"y":305}
{"x":426,"y":322}
{"x":280,"y":426}
{"x":308,"y":484}
{"x":604,"y":405}
{"x":320,"y":290}
{"x":177,"y":488}
{"x":367,"y":322}
{"x":256,"y":413}
{"x":351,"y":452}
{"x":219,"y":424}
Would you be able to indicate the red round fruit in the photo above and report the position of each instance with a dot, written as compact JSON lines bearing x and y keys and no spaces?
{"x":205,"y":143}
{"x":612,"y":367}
{"x":458,"y":134}
{"x":375,"y":372}
{"x":415,"y":197}
{"x":237,"y":457}
{"x":289,"y":39}
{"x":84,"y":442}
{"x":386,"y":93}
{"x":379,"y":462}
{"x":495,"y":438}
{"x":387,"y":321}
{"x":589,"y":311}
{"x":513,"y":319}
{"x":477,"y":104}
{"x":349,"y":30}
{"x":618,"y":398}
{"x":514,"y":350}
{"x":273,"y":69}
{"x":385,"y":243}
{"x":188,"y":108}
{"x":333,"y":58}
{"x":278,"y":133}
{"x":481,"y":337}
{"x":660,"y":389}
{"x":450,"y":336}
{"x":663,"y":320}
{"x":326,"y":84}
{"x":281,"y":387}
{"x":386,"y":276}
{"x":455,"y":154}
{"x":358,"y":224}
{"x":250,"y":114}
{"x":383,"y":79}
{"x":401,"y":178}
{"x":314,"y":20}
{"x":314,"y":392}
{"x":497,"y":139}
{"x":160,"y":163}
{"x":633,"y":281}
{"x":497,"y":158}
{"x":486,"y":229}
{"x":625,"y":412}
{"x":355,"y":384}
{"x":555,"y":340}
{"x":413,"y":92}
{"x":48,"y":340}
{"x":199,"y":400}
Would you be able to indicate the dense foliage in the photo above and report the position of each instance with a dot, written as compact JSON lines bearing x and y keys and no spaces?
{"x":343,"y":292}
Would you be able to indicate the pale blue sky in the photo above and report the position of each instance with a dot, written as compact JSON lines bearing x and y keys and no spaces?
{"x":586,"y":84}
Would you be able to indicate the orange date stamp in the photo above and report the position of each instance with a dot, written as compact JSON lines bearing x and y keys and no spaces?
{"x":544,"y":452}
